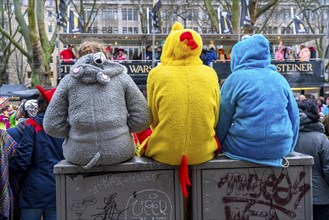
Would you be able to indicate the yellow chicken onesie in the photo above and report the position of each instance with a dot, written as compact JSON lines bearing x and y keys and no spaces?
{"x":184,"y":97}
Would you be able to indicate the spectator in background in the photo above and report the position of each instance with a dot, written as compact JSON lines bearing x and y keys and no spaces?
{"x":313,"y":52}
{"x":325,"y":109}
{"x":148,"y":53}
{"x":291,"y":54}
{"x":279,"y":54}
{"x":135,"y":56}
{"x":159,"y":52}
{"x":271,"y":51}
{"x":67,"y":54}
{"x":211,"y":57}
{"x":320,"y":102}
{"x":228,"y":57}
{"x":221,"y":55}
{"x":27,"y":109}
{"x":304,"y":53}
{"x":36,"y":156}
{"x":4,"y":121}
{"x":313,"y":141}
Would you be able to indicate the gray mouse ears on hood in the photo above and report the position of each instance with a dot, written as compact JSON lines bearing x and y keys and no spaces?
{"x":93,"y":68}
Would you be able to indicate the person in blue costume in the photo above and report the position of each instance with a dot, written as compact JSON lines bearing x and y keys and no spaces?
{"x":259,"y":117}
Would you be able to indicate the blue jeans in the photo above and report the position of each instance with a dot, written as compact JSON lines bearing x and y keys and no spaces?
{"x":35,"y":214}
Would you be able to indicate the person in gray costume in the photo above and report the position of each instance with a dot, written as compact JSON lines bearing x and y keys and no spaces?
{"x":95,"y":108}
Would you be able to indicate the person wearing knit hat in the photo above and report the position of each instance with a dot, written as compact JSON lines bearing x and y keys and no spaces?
{"x":96,"y":108}
{"x":36,"y":156}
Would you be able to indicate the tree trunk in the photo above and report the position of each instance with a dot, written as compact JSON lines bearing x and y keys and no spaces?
{"x":36,"y":64}
{"x":212,"y":14}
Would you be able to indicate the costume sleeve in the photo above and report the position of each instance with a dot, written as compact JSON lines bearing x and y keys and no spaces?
{"x":324,"y":156}
{"x":21,"y":160}
{"x":139,"y":115}
{"x":56,"y":118}
{"x":294,"y":117}
{"x":227,"y":109}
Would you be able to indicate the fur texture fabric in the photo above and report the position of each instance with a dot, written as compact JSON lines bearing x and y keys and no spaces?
{"x":96,"y":107}
{"x":184,"y":98}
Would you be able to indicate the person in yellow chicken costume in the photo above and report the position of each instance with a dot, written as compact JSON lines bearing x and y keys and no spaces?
{"x":184,"y":98}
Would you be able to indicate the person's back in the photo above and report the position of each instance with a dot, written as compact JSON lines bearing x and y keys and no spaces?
{"x":183,"y":96}
{"x":258,"y":114}
{"x":211,"y":57}
{"x":314,"y":142}
{"x":36,"y":156}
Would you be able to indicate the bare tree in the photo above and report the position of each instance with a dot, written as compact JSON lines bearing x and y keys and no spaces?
{"x":316,"y":14}
{"x":87,"y":19}
{"x":37,"y":47}
{"x":7,"y":15}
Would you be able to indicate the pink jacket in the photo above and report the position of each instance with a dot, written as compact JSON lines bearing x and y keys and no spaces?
{"x":304,"y":54}
{"x":279,"y":55}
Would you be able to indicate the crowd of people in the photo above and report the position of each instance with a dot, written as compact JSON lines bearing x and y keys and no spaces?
{"x":289,"y":54}
{"x":186,"y":119}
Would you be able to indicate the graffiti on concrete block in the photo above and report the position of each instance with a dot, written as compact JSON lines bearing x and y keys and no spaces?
{"x":149,"y":204}
{"x":79,"y":206}
{"x":109,"y":211}
{"x":99,"y":183}
{"x":264,"y":196}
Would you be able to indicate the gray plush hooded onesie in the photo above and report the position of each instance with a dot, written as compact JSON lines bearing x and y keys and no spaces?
{"x":96,"y":107}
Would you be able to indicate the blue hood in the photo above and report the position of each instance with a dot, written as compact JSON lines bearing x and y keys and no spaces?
{"x":252,"y":52}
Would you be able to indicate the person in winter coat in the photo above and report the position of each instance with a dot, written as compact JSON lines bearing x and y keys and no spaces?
{"x":314,"y":142}
{"x":304,"y":53}
{"x":313,"y":52}
{"x":258,"y":114}
{"x":36,"y":156}
{"x":279,"y":54}
{"x":211,"y":57}
{"x":27,"y":109}
{"x":96,"y":108}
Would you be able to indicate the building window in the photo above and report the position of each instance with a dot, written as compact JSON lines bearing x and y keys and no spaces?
{"x":124,"y":14}
{"x":135,"y":30}
{"x":130,"y":14}
{"x":275,"y":30}
{"x":124,"y":30}
{"x":204,"y":16}
{"x":195,"y":15}
{"x":135,"y":14}
{"x":189,"y":15}
{"x":109,"y":30}
{"x":269,"y":30}
{"x":130,"y":30}
{"x":283,"y":30}
{"x":115,"y":30}
{"x":104,"y":30}
{"x":115,"y":14}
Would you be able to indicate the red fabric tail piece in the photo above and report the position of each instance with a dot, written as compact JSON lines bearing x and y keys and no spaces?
{"x":218,"y":144}
{"x":183,"y":176}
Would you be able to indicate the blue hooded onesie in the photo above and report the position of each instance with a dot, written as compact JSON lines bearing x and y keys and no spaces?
{"x":259,"y":117}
